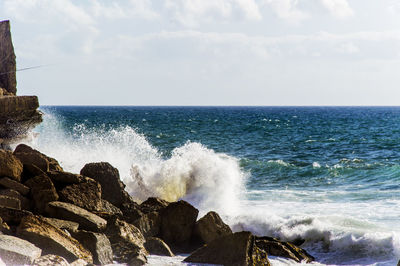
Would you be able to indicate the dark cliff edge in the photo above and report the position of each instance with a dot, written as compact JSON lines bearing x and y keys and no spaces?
{"x":18,"y":114}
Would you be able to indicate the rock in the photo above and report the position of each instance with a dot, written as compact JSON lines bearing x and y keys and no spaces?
{"x":65,"y":177}
{"x":62,"y":224}
{"x":79,"y":262}
{"x":210,"y":227}
{"x":4,"y":228}
{"x":25,"y":204}
{"x":30,"y":171}
{"x":153,"y":205}
{"x":126,"y":242}
{"x":13,"y":216}
{"x":278,"y":248}
{"x":113,"y":190}
{"x":8,"y":62}
{"x":16,"y":251}
{"x":234,"y":249}
{"x":110,"y":208}
{"x":42,"y":191}
{"x":98,"y":244}
{"x":27,"y":155}
{"x":86,"y":195}
{"x":156,"y":246}
{"x":86,"y":220}
{"x":10,"y":166}
{"x":130,"y":210}
{"x":11,"y":184}
{"x":51,"y":239}
{"x":50,"y":259}
{"x":6,"y":201}
{"x":149,"y":224}
{"x":178,"y":220}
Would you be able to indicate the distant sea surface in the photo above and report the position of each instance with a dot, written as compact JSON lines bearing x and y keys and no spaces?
{"x":328,"y":175}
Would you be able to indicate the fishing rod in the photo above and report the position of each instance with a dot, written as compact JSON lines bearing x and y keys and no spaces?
{"x":22,"y":69}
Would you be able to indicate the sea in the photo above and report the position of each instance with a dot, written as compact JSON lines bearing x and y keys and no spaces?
{"x":327,"y":175}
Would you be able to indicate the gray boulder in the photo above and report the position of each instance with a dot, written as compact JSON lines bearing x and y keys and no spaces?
{"x":16,"y":251}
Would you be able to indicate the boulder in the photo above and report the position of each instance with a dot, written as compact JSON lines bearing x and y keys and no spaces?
{"x":108,"y":207}
{"x":234,"y":249}
{"x":98,"y":244}
{"x":62,"y":224}
{"x":16,"y":251}
{"x":113,"y":190}
{"x":86,"y":220}
{"x":126,"y":242}
{"x":42,"y":191}
{"x":10,"y":166}
{"x":177,"y":224}
{"x":6,"y":201}
{"x":9,"y":183}
{"x":50,"y":259}
{"x":130,"y":210}
{"x":8,"y":63}
{"x":30,"y":171}
{"x":156,"y":246}
{"x":13,"y":216}
{"x":210,"y":227}
{"x":25,"y":204}
{"x":27,"y":155}
{"x":153,"y":205}
{"x":278,"y":248}
{"x":51,"y":239}
{"x":86,"y":194}
{"x":149,"y":224}
{"x":65,"y":177}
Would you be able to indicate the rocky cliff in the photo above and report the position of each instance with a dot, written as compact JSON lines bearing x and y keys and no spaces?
{"x":18,"y":114}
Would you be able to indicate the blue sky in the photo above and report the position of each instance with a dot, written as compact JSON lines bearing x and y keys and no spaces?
{"x":207,"y":52}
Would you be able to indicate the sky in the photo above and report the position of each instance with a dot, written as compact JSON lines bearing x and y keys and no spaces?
{"x":207,"y":52}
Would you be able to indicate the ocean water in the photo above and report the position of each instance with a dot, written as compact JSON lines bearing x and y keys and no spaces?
{"x":329,"y":175}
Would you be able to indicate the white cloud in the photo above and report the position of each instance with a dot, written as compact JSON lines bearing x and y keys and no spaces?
{"x":287,"y":10}
{"x":338,"y":8}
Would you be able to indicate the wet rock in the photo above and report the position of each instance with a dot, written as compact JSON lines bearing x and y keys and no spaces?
{"x":85,"y":219}
{"x":149,"y":224}
{"x":10,"y":166}
{"x":156,"y":246}
{"x":62,"y":224}
{"x":113,"y":190}
{"x":16,"y":251}
{"x":27,"y":155}
{"x":234,"y":249}
{"x":153,"y":204}
{"x":278,"y":248}
{"x":177,"y":224}
{"x":6,"y":201}
{"x":126,"y":242}
{"x":65,"y":177}
{"x":50,"y":259}
{"x":13,"y":216}
{"x":42,"y":191}
{"x":15,"y":194}
{"x":51,"y":239}
{"x":210,"y":227}
{"x":98,"y":244}
{"x":86,"y":194}
{"x":11,"y":184}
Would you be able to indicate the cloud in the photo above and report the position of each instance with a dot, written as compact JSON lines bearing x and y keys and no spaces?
{"x":287,"y":10}
{"x":338,"y":8}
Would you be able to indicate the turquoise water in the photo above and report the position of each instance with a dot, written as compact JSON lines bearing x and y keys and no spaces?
{"x":329,"y":175}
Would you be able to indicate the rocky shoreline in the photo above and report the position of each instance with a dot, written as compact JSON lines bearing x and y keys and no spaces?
{"x":53,"y":217}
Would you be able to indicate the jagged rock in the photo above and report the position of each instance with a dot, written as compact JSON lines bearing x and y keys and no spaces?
{"x":51,"y":239}
{"x":27,"y":155}
{"x":13,"y":216}
{"x":25,"y":204}
{"x":10,"y":166}
{"x":156,"y":246}
{"x":113,"y":190}
{"x":42,"y":191}
{"x":65,"y":177}
{"x":234,"y":249}
{"x":6,"y":201}
{"x":62,"y":224}
{"x":11,"y":184}
{"x":16,"y":251}
{"x":110,"y":208}
{"x":153,"y":205}
{"x":278,"y":248}
{"x":8,"y":81}
{"x":210,"y":227}
{"x":50,"y":259}
{"x":85,"y":219}
{"x":177,"y":224}
{"x":126,"y":242}
{"x":149,"y":224}
{"x":86,"y":195}
{"x":98,"y":244}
